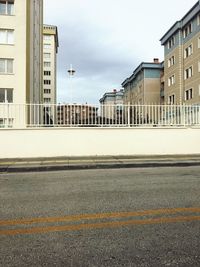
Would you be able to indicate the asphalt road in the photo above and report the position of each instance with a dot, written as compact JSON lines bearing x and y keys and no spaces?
{"x":121,"y":217}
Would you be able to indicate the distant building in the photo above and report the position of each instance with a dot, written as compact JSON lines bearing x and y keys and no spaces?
{"x":182,"y":59}
{"x":112,"y":98}
{"x":68,"y":114}
{"x":111,"y":104}
{"x":162,"y":85}
{"x":143,"y":86}
{"x":50,"y":50}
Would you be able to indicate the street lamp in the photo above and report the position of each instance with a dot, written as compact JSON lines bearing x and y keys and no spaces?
{"x":71,"y":72}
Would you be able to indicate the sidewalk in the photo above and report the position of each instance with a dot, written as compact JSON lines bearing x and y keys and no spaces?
{"x":98,"y":162}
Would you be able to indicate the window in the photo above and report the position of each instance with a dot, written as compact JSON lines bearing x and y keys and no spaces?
{"x":47,"y":64}
{"x":199,"y":66}
{"x":6,"y":65}
{"x":47,"y":46}
{"x":47,"y":82}
{"x":171,"y":61}
{"x":188,"y":94}
{"x":198,"y":42}
{"x":47,"y":91}
{"x":6,"y":95}
{"x":6,"y":36}
{"x":171,"y":80}
{"x":47,"y":100}
{"x":187,"y":30}
{"x":171,"y":42}
{"x":6,"y":7}
{"x":171,"y":99}
{"x":188,"y":51}
{"x":47,"y":37}
{"x":47,"y":73}
{"x":7,"y":122}
{"x":47,"y":55}
{"x":188,"y":73}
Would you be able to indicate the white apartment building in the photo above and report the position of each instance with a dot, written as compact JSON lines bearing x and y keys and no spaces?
{"x":21,"y":57}
{"x":50,"y":50}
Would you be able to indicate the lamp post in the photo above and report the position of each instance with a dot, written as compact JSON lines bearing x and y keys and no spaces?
{"x":71,"y":72}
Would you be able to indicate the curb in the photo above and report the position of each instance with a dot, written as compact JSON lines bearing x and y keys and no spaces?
{"x":46,"y":168}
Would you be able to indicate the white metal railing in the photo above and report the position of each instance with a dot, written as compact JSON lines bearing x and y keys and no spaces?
{"x":67,"y":115}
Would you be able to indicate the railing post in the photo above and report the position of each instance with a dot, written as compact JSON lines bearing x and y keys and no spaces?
{"x":25,"y":111}
{"x":7,"y":116}
{"x":24,"y":115}
{"x":183,"y":111}
{"x":129,"y":121}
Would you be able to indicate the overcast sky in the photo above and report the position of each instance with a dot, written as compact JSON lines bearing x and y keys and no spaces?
{"x":105,"y":40}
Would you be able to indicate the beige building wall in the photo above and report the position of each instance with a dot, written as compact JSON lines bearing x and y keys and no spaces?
{"x":25,"y":51}
{"x":151,"y":91}
{"x":143,"y":87}
{"x":111,"y":103}
{"x":194,"y":61}
{"x":50,"y":50}
{"x":136,"y":93}
{"x":15,"y":51}
{"x":181,"y":84}
{"x":170,"y":71}
{"x":182,"y":55}
{"x":128,"y":95}
{"x":108,"y":109}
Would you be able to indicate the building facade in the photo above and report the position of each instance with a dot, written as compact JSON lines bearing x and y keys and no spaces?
{"x":68,"y":114}
{"x":144,"y":85}
{"x":21,"y":51}
{"x":50,"y":50}
{"x":182,"y":59}
{"x":111,"y":104}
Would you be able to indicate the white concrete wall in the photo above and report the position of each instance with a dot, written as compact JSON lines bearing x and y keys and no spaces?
{"x":86,"y":142}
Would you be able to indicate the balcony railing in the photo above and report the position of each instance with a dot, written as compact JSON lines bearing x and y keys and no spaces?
{"x":65,"y":115}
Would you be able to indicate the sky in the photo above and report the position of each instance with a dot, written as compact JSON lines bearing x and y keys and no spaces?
{"x":105,"y":40}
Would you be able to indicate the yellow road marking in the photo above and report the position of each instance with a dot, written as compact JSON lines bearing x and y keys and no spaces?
{"x":38,"y":230}
{"x":98,"y":216}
